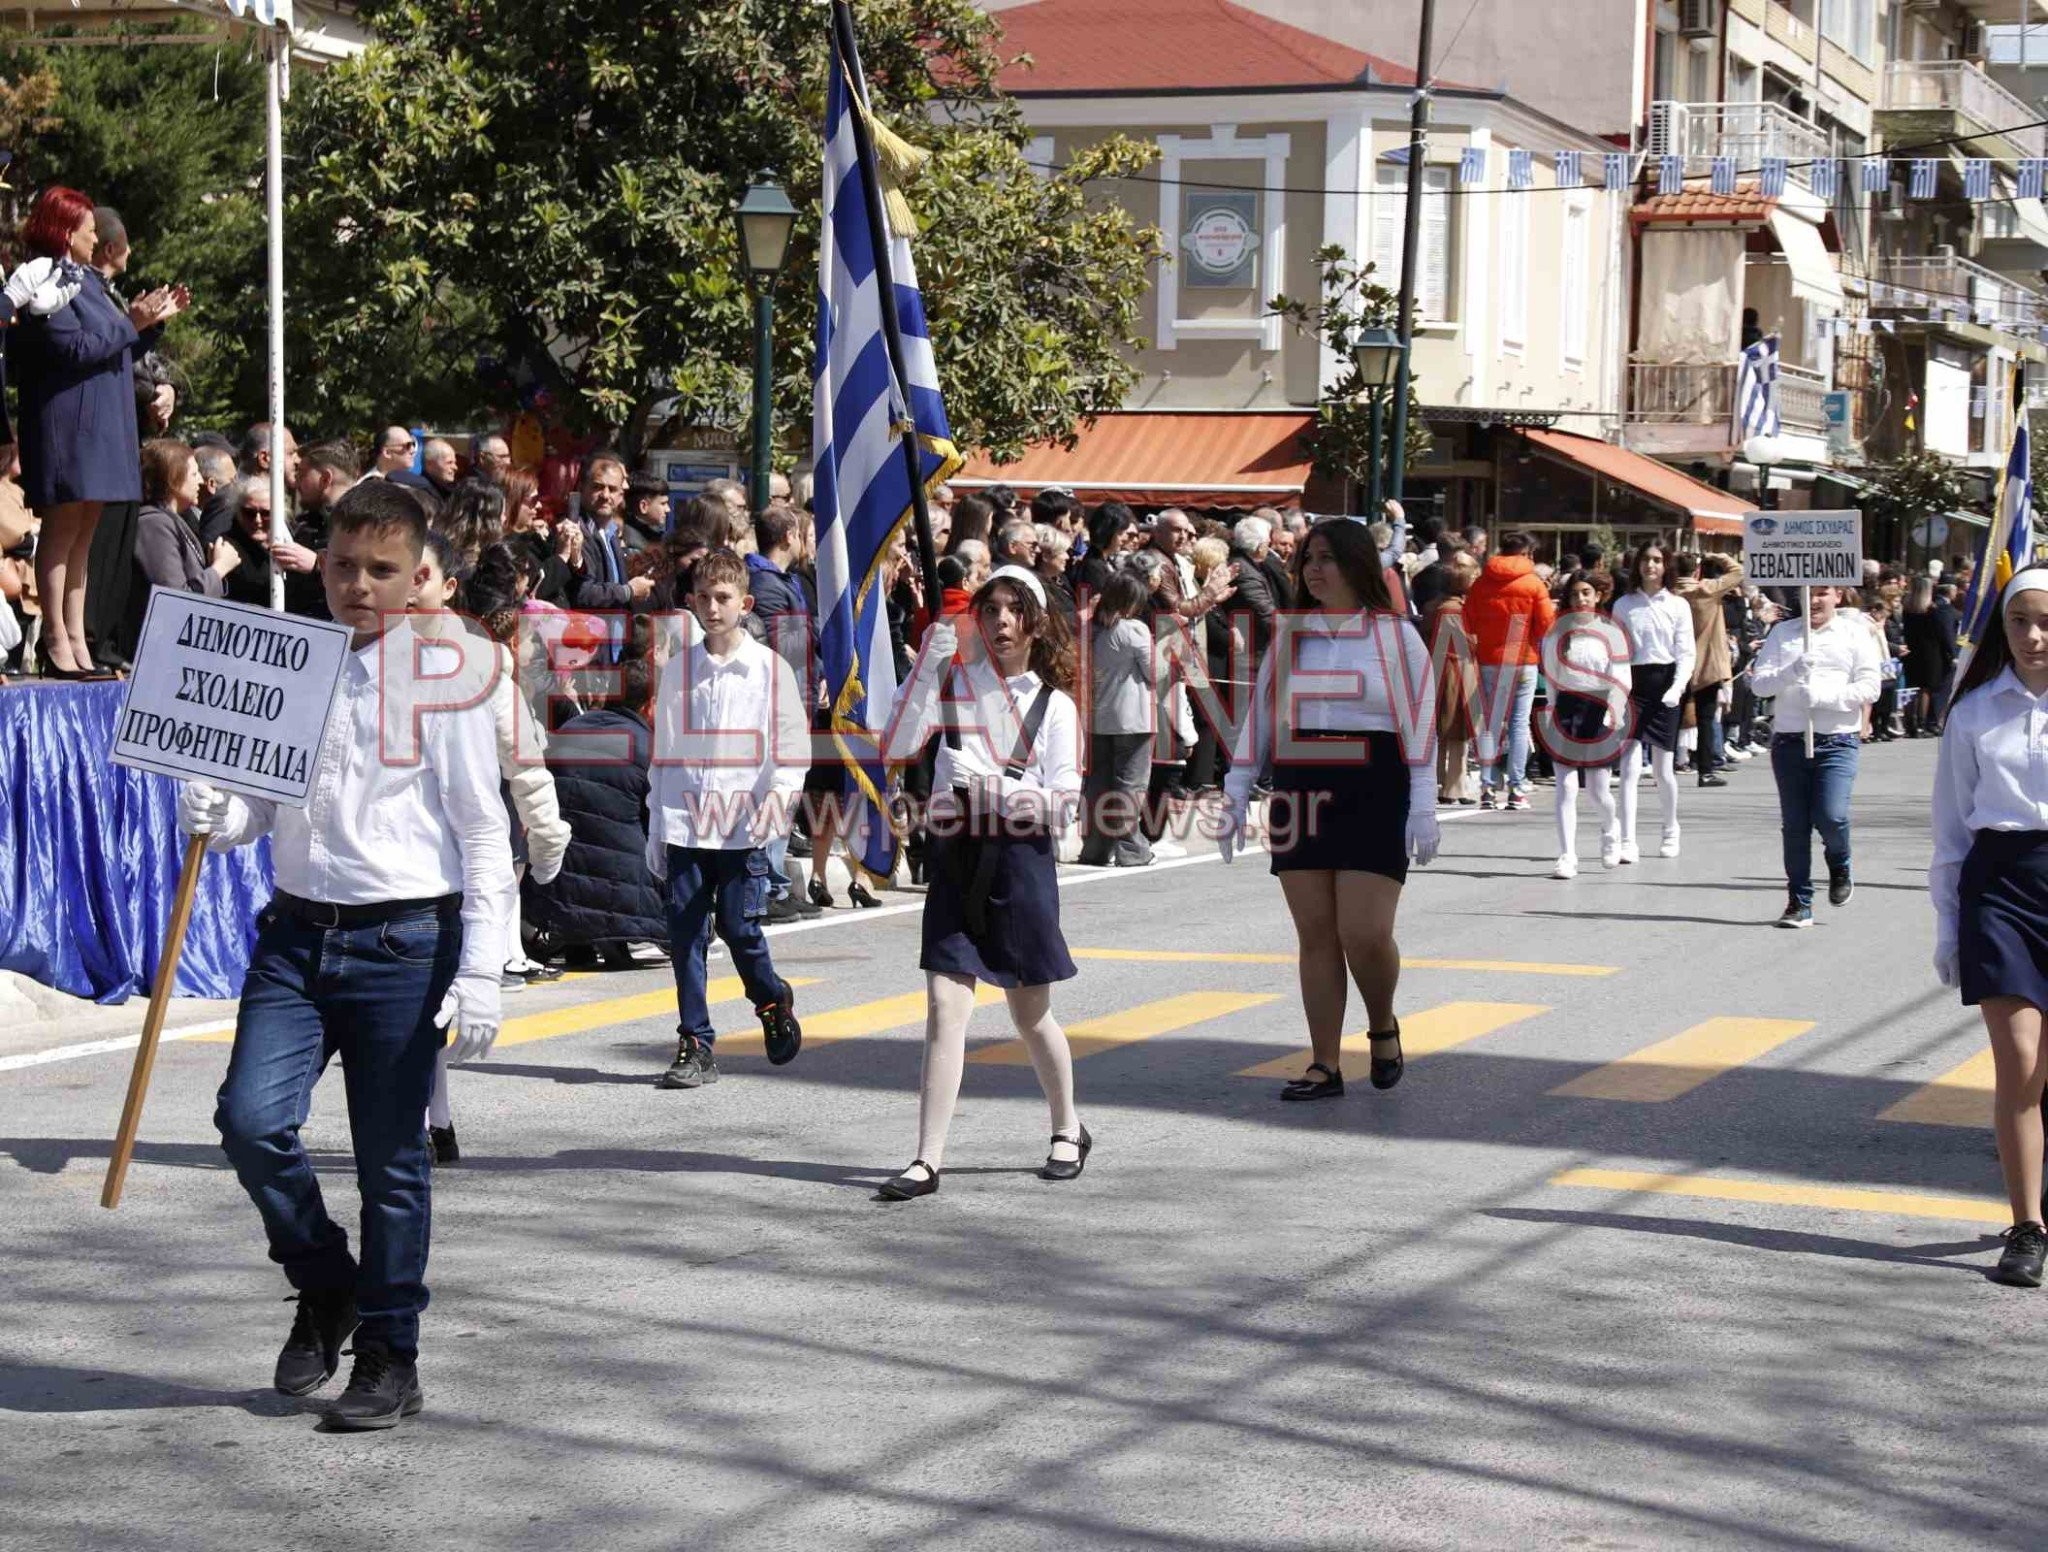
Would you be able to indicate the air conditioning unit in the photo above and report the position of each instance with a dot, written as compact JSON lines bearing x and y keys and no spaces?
{"x":1942,"y":251}
{"x":1975,"y":42}
{"x":1699,"y":18}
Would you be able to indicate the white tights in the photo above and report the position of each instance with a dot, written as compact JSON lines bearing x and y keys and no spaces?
{"x":949,"y":1005}
{"x":1599,"y":786}
{"x":1663,"y":764}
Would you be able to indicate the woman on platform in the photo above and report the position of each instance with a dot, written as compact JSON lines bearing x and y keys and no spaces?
{"x":1659,"y":626}
{"x":992,"y":912}
{"x":1581,"y":731}
{"x":167,"y":549}
{"x":1990,"y":886}
{"x":1343,"y":826}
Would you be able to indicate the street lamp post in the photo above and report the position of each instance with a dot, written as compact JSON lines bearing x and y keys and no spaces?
{"x":1377,"y":355}
{"x":765,"y":219}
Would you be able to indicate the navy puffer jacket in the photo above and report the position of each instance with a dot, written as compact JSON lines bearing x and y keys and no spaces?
{"x":604,"y":892}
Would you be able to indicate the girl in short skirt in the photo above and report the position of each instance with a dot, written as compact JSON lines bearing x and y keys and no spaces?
{"x":1582,"y":732}
{"x":992,"y":912}
{"x":1659,"y":626}
{"x":1990,"y":886}
{"x":1343,"y":824}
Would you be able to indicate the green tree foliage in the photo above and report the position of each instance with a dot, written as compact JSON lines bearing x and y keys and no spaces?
{"x":546,"y":184}
{"x":1913,"y":486}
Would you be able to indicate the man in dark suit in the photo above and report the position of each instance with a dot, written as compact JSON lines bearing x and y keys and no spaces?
{"x":393,"y":457}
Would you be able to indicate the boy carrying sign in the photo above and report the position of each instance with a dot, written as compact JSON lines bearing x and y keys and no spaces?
{"x":393,"y":888}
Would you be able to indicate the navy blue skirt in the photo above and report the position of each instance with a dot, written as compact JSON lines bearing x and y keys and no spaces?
{"x":1580,"y":719}
{"x":1657,"y":724}
{"x":1342,"y":817}
{"x":2003,"y":932}
{"x":1022,"y":944}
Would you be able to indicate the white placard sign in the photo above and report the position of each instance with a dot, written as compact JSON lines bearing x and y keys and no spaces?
{"x":230,"y":694}
{"x":1803,"y":549}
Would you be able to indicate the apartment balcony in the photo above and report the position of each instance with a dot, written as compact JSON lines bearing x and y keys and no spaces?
{"x":1952,"y":99}
{"x":1685,"y":407}
{"x":1970,"y":293}
{"x":1746,"y":131}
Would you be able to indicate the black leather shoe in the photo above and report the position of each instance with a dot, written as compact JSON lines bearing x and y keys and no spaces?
{"x":1386,"y":1071}
{"x":1840,"y":886}
{"x":860,"y":897}
{"x":312,"y":1352}
{"x":1308,"y":1086}
{"x":1067,"y":1169}
{"x":2026,"y":1247}
{"x":820,"y":895}
{"x":693,"y":1067}
{"x":442,"y":1140}
{"x":910,"y":1184}
{"x":780,"y":1032}
{"x":382,"y":1388}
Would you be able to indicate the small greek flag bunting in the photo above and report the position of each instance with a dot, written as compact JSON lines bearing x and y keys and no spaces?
{"x":2033,"y":174}
{"x":1670,"y":174}
{"x":1521,"y":169}
{"x":1756,"y":391}
{"x":1569,"y":173}
{"x":1924,"y":173}
{"x":1977,"y":178}
{"x":1614,"y":169}
{"x":1471,"y":166}
{"x":1827,"y":177}
{"x":1877,"y":174}
{"x":1773,"y":182}
{"x":1724,"y":175}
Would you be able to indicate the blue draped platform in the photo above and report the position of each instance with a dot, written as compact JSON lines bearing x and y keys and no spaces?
{"x":89,"y":857}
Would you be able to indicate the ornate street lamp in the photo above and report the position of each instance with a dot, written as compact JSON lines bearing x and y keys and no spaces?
{"x":765,"y":219}
{"x":1377,"y":352}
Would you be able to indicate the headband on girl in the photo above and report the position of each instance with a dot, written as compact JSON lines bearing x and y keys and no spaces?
{"x":1022,"y":578}
{"x":2033,"y":579}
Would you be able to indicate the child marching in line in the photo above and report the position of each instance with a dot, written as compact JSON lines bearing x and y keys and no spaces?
{"x":731,"y":745}
{"x":388,"y":925}
{"x":1584,"y":732}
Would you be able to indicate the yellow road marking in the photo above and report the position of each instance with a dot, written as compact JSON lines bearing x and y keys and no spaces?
{"x":1677,"y":1066}
{"x":1433,"y":1029}
{"x":1133,"y":1024}
{"x":1189,"y":957}
{"x":864,"y":1018}
{"x":1967,"y":1208}
{"x":1961,"y":1097}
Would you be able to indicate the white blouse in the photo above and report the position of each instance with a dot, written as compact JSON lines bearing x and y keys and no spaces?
{"x":1659,"y":627}
{"x":1362,"y":673}
{"x":1992,"y":775}
{"x":1050,"y":787}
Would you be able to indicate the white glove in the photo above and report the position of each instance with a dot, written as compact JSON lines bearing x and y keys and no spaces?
{"x":1948,"y":967}
{"x":1230,"y":840}
{"x":40,"y":287}
{"x":1675,"y":694}
{"x":546,"y":872}
{"x":942,"y":641}
{"x":203,"y":808}
{"x":657,"y":858}
{"x":1424,"y":838}
{"x":472,"y":1007}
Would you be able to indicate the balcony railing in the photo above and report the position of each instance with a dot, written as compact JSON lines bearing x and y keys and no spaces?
{"x":1692,"y":394}
{"x":1747,"y":131}
{"x":1942,"y":282}
{"x":1802,"y":399}
{"x":1959,"y":87}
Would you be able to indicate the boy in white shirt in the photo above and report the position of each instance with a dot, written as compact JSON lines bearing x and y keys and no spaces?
{"x":394,"y":885}
{"x":731,"y":745}
{"x":1832,"y":685}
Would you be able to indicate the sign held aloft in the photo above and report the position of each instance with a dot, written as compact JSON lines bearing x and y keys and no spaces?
{"x":1803,"y":549}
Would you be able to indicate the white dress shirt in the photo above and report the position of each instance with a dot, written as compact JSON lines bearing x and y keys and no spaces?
{"x":382,"y":827}
{"x":1363,"y":673}
{"x":1659,"y":627}
{"x":732,"y":740}
{"x":1992,"y":775}
{"x":990,"y":729}
{"x":1846,"y":674}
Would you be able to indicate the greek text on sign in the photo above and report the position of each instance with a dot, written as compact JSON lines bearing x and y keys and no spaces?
{"x":230,"y":694}
{"x":1803,"y":549}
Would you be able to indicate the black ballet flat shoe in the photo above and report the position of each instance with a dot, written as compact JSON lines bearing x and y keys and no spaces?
{"x":1329,"y":1086}
{"x":1067,"y":1169}
{"x":1386,"y":1071}
{"x":820,"y":895}
{"x":907,"y":1186}
{"x":861,"y":899}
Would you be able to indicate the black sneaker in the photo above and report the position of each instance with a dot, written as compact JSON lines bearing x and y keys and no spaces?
{"x":804,"y":908}
{"x":693,"y":1067}
{"x":1840,"y":886}
{"x":1713,"y":781}
{"x":312,"y":1352}
{"x":783,"y":910}
{"x":442,"y":1140}
{"x":780,"y":1031}
{"x":2026,"y":1247}
{"x":1796,"y":915}
{"x":382,"y":1388}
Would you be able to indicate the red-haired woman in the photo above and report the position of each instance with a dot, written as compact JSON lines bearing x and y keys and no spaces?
{"x":79,"y":443}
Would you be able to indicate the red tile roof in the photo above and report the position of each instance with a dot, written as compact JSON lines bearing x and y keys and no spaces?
{"x":1174,"y":45}
{"x":1155,"y":458}
{"x":1745,"y":207}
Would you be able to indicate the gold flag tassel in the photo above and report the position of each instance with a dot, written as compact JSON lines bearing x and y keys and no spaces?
{"x":899,"y":163}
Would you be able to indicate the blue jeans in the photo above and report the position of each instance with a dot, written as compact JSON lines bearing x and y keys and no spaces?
{"x":728,"y":890}
{"x":1513,"y":771}
{"x":1814,"y":795}
{"x":368,"y":995}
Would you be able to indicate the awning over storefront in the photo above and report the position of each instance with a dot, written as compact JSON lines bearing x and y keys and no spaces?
{"x":1222,"y":458}
{"x":1815,"y":278}
{"x":1711,"y":511}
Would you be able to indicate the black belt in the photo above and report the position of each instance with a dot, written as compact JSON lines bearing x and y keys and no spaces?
{"x":318,"y":913}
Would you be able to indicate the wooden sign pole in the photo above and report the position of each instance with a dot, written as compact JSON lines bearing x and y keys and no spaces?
{"x":153,"y":1026}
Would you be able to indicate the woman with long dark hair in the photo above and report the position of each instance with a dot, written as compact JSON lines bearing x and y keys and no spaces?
{"x":1585,"y":660}
{"x":1344,"y":824}
{"x":992,"y":913}
{"x":1990,"y":886}
{"x":473,"y":519}
{"x":1659,"y":626}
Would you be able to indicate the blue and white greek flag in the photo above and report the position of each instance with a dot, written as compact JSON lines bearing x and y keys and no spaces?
{"x":1521,"y":169}
{"x":1877,"y":174}
{"x":2008,"y":545}
{"x":1827,"y":177}
{"x":1724,"y":175}
{"x":1977,"y":178}
{"x":1471,"y":166}
{"x":1670,"y":175}
{"x":1925,"y":170}
{"x":2033,"y":177}
{"x":1570,"y":170}
{"x":1772,"y":181}
{"x":862,"y":495}
{"x":1756,"y":390}
{"x":1614,"y":169}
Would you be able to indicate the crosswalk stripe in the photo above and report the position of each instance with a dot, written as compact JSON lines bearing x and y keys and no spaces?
{"x":1144,"y":1021}
{"x":1191,"y":957}
{"x":1433,"y":1029}
{"x":863,"y":1018}
{"x":1848,"y":1198}
{"x":1959,"y":1097}
{"x":1677,"y":1066}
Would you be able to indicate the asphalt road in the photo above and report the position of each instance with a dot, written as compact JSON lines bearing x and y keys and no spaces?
{"x":1728,"y":1293}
